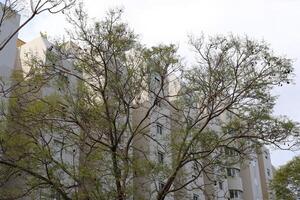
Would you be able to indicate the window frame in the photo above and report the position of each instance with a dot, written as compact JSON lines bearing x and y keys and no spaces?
{"x":161,"y":185}
{"x":157,"y":79}
{"x":159,"y":128}
{"x":266,"y":155}
{"x":230,"y":151}
{"x":157,"y":102}
{"x":235,"y":194}
{"x":160,"y":157}
{"x":196,"y":196}
{"x":233,"y":172}
{"x":268,"y":172}
{"x":220,"y":184}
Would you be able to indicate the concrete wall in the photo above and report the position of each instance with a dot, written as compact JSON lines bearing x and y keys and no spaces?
{"x":147,"y":147}
{"x":35,"y":48}
{"x":8,"y":54}
{"x":266,"y":173}
{"x":38,"y":48}
{"x":251,"y":179}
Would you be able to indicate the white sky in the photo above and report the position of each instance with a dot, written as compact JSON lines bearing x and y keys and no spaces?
{"x":170,"y":21}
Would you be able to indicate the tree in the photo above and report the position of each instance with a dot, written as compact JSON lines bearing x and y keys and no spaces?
{"x":86,"y":116}
{"x":286,"y":181}
{"x":31,"y":9}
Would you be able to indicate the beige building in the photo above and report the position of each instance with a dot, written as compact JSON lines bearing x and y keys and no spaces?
{"x":251,"y":179}
{"x":266,"y":173}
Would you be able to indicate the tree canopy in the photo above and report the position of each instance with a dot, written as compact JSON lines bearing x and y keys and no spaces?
{"x":87,"y":122}
{"x":286,"y":181}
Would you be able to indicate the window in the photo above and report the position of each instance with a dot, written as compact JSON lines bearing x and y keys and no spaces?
{"x":50,"y":48}
{"x":233,"y":172}
{"x":230,"y":151}
{"x":160,"y":157}
{"x":266,"y":155}
{"x":157,"y":102}
{"x":195,"y":166}
{"x":161,"y":185}
{"x":230,"y":131}
{"x":235,"y":194}
{"x":229,"y":172}
{"x":159,"y":128}
{"x":220,"y":185}
{"x":196,"y":197}
{"x":268,"y":172}
{"x":157,"y":80}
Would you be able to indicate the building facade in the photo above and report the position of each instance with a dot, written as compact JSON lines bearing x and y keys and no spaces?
{"x":8,"y":55}
{"x":242,"y":181}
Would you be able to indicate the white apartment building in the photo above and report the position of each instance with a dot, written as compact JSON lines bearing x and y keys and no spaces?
{"x":242,"y":181}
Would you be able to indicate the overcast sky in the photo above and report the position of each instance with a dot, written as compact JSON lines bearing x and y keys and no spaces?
{"x":170,"y":21}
